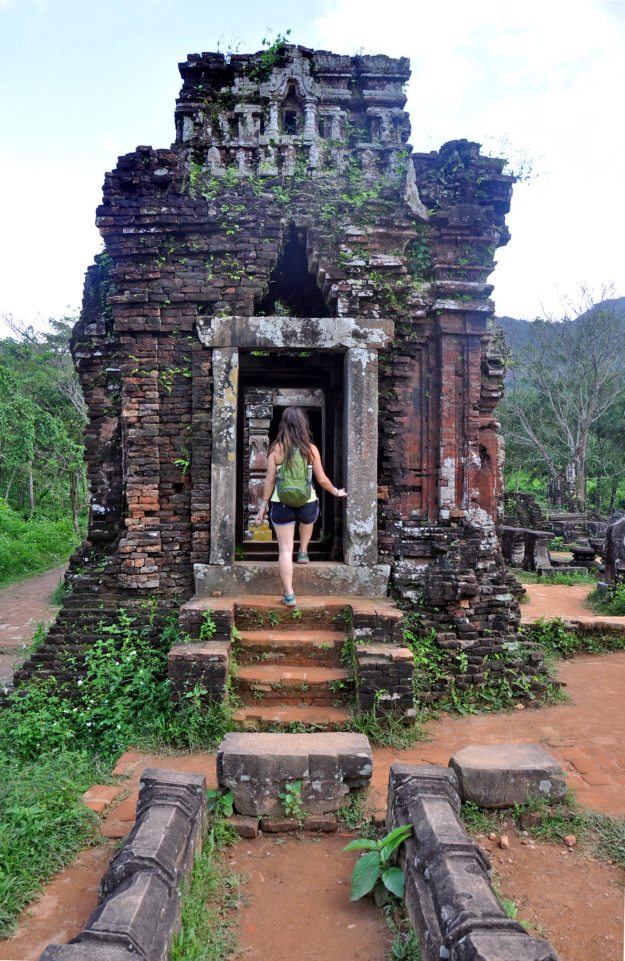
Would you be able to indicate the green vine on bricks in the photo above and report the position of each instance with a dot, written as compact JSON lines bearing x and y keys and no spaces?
{"x":418,"y":255}
{"x":166,"y":376}
{"x":183,"y":462}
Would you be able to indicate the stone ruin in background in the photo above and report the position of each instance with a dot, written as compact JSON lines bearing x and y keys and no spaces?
{"x":291,"y":248}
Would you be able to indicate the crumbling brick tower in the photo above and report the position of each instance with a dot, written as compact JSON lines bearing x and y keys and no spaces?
{"x":290,"y":248}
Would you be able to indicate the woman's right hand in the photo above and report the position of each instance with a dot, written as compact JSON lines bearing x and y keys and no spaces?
{"x":341,"y":492}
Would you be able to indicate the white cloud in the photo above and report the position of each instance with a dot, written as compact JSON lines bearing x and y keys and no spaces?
{"x":548,"y":76}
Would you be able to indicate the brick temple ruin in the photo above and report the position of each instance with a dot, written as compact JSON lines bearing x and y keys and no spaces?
{"x":291,"y":248}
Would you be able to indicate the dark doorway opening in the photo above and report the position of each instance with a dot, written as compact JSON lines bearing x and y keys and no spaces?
{"x":268,"y":383}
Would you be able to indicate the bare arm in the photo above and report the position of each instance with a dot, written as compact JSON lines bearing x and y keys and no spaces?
{"x":270,"y":481}
{"x":321,"y":477}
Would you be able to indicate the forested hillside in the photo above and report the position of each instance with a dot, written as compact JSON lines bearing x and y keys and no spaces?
{"x":563,"y":415}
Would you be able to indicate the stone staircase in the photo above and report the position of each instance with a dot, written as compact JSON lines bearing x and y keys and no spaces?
{"x":288,"y":666}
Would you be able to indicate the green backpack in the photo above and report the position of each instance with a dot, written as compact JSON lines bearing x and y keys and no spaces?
{"x":294,"y":481}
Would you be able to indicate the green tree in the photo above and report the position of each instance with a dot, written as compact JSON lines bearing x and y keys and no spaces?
{"x":565,"y":381}
{"x":42,"y":416}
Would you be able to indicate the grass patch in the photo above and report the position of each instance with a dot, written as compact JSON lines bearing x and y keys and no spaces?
{"x":211,"y":898}
{"x":58,"y":738}
{"x":565,"y":578}
{"x":43,"y":824}
{"x":120,"y":697}
{"x":610,"y":601}
{"x":386,"y":730}
{"x":405,"y":945}
{"x":603,"y":836}
{"x":31,"y":546}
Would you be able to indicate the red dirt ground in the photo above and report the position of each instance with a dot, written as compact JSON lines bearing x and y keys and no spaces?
{"x":574,"y":900}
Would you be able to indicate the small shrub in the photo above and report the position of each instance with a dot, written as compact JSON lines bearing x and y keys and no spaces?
{"x":373,"y":871}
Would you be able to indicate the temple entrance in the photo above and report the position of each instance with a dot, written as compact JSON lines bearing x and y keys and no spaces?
{"x":329,"y":366}
{"x":268,"y":384}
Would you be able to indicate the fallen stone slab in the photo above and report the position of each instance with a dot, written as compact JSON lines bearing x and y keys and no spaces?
{"x":135,"y":915}
{"x":448,"y":896}
{"x":258,"y":767}
{"x":139,"y":909}
{"x":502,"y":775}
{"x":157,"y":843}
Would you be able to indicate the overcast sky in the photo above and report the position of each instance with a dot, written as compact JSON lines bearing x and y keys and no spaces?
{"x":83,"y":81}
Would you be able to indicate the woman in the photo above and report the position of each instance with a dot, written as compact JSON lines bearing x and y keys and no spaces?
{"x":293,"y":435}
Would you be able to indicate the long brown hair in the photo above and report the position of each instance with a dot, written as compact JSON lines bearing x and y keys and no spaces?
{"x":293,"y":434}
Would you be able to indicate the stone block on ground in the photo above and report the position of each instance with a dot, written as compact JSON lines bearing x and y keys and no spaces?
{"x":257,"y":768}
{"x":246,"y":827}
{"x":501,"y":775}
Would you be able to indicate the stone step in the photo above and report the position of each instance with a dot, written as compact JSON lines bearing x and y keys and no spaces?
{"x":263,"y":717}
{"x":291,"y":684}
{"x":298,"y":647}
{"x":263,"y":613}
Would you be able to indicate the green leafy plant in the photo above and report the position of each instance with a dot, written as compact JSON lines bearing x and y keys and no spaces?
{"x":374,"y":871}
{"x":208,"y":628}
{"x":220,"y":803}
{"x":291,"y":799}
{"x":274,"y":617}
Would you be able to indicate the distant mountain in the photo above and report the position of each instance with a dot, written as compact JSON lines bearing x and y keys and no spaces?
{"x":518,"y":331}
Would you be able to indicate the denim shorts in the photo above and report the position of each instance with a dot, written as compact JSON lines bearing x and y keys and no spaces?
{"x":281,"y":515}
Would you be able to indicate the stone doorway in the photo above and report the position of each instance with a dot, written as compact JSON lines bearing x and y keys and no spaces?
{"x":336,"y":356}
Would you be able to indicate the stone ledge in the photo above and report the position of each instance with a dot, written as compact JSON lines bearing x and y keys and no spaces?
{"x":318,"y":577}
{"x":139,"y":909}
{"x":450,"y":901}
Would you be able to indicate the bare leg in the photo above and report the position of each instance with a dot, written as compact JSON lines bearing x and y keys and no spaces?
{"x":286,"y":536}
{"x":305,"y":533}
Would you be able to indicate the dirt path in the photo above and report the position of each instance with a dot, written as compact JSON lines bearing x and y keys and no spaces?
{"x":569,"y":603}
{"x":574,"y":900}
{"x":22,"y":607}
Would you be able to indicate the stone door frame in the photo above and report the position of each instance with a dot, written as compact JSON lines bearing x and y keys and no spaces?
{"x":359,"y":340}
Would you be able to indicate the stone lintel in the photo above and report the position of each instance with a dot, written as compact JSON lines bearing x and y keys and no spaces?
{"x":294,"y":333}
{"x":318,"y":577}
